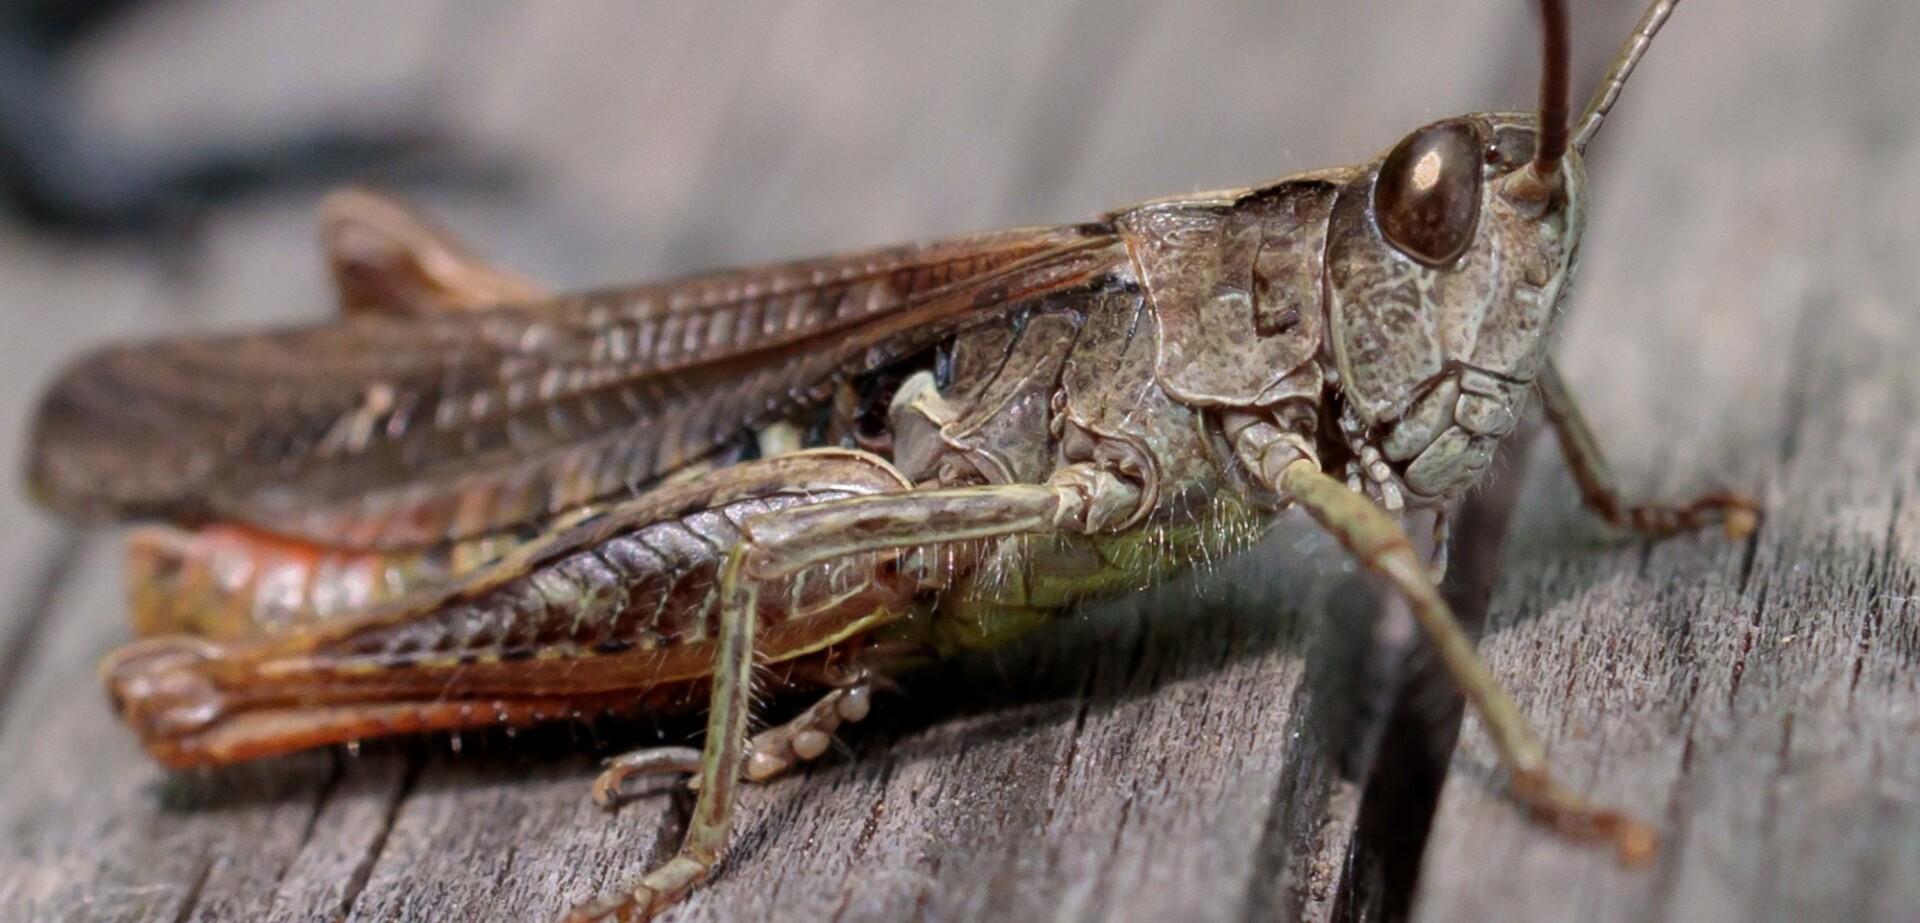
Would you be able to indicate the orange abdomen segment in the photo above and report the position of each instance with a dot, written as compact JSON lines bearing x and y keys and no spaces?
{"x":228,"y":582}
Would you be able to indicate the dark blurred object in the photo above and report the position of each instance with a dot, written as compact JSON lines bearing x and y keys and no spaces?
{"x":57,"y":175}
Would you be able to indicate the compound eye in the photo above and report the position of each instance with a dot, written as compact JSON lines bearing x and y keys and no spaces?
{"x":1427,"y":197}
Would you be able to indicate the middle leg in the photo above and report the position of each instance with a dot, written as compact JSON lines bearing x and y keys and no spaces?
{"x":770,"y":753}
{"x":781,"y":543}
{"x":1737,"y":514}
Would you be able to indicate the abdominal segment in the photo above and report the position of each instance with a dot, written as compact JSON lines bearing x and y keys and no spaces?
{"x":228,"y":582}
{"x":616,"y":612}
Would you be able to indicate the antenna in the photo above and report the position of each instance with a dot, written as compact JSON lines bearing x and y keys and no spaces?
{"x":1623,"y":65}
{"x":1555,"y":88}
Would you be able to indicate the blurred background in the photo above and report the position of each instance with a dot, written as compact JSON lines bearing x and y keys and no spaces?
{"x":160,"y":162}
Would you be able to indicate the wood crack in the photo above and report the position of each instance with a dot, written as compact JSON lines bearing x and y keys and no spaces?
{"x":363,"y":869}
{"x":195,"y":891}
{"x":1401,"y":790}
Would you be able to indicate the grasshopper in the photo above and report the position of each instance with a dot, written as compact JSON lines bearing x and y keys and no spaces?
{"x":471,"y":503}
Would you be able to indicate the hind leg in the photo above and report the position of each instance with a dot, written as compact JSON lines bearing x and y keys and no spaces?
{"x":387,"y":259}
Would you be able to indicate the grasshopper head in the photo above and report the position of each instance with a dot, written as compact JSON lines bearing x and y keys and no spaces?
{"x":1446,"y":260}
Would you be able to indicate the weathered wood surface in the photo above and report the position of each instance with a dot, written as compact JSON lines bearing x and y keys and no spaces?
{"x":1747,"y":315}
{"x":1750,"y":315}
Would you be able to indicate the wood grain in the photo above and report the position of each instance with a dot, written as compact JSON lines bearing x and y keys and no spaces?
{"x":1746,"y":318}
{"x":1210,"y":751}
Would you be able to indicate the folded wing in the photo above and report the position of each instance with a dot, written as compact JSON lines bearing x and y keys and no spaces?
{"x":405,"y":430}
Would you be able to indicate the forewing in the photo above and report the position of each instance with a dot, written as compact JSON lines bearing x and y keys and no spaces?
{"x":387,"y":431}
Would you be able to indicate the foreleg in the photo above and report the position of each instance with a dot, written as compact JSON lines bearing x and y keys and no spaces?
{"x":1378,"y":542}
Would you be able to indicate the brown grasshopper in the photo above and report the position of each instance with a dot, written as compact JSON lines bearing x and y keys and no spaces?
{"x":469,"y":503}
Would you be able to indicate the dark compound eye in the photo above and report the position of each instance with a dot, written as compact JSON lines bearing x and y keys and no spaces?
{"x":1427,"y":197}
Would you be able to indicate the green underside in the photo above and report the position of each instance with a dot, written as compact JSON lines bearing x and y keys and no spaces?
{"x":1024,"y":582}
